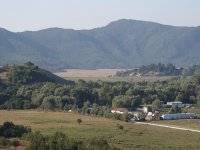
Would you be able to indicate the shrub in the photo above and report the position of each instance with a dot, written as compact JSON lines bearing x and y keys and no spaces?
{"x":121,"y":127}
{"x":38,"y":141}
{"x":8,"y":129}
{"x":58,"y":141}
{"x":4,"y":142}
{"x":79,"y":120}
{"x":15,"y":143}
{"x":98,"y":144}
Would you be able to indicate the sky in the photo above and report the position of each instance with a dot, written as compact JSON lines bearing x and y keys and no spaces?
{"x":23,"y":15}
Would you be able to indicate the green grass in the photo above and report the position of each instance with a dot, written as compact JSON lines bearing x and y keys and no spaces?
{"x":133,"y":137}
{"x":184,"y":123}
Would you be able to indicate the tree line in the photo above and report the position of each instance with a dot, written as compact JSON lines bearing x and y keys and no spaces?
{"x":161,"y":70}
{"x":92,"y":97}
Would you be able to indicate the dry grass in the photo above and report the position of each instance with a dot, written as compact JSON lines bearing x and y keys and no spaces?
{"x":133,"y":137}
{"x":104,"y":75}
{"x":88,"y":73}
{"x":184,"y":123}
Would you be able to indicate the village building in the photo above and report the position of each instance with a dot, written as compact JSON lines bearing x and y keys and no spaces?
{"x":119,"y":110}
{"x":175,"y":104}
{"x":178,"y":116}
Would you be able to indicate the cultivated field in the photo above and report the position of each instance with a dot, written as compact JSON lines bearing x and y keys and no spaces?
{"x":104,"y":75}
{"x":133,"y":137}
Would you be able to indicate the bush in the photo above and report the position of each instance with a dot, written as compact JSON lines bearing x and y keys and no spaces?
{"x":38,"y":141}
{"x":79,"y":120}
{"x":77,"y":145}
{"x":121,"y":127}
{"x":58,"y":141}
{"x":4,"y":142}
{"x":98,"y":144}
{"x":8,"y":129}
{"x":15,"y":143}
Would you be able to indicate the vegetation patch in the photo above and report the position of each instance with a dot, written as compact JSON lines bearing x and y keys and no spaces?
{"x":149,"y":137}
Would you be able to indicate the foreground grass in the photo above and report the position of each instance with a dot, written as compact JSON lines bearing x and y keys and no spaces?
{"x":133,"y":137}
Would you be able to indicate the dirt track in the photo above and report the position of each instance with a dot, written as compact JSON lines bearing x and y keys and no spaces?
{"x":168,"y":126}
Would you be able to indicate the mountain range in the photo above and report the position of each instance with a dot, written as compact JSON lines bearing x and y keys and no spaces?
{"x":120,"y":44}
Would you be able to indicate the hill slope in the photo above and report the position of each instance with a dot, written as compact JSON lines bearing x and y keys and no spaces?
{"x":120,"y":44}
{"x":29,"y":74}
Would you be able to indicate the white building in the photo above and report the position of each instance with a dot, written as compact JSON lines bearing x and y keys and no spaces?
{"x":119,"y":110}
{"x":175,"y":104}
{"x":178,"y":116}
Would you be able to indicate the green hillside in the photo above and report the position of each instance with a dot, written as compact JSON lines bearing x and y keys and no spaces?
{"x":28,"y":74}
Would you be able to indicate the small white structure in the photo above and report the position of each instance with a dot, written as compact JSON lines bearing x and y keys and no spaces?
{"x":119,"y":110}
{"x":145,"y":109}
{"x":136,"y":114}
{"x":178,"y":116}
{"x":138,"y":75}
{"x":149,"y":116}
{"x":132,"y":120}
{"x":175,"y":104}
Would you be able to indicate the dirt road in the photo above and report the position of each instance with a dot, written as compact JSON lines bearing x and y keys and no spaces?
{"x":168,"y":126}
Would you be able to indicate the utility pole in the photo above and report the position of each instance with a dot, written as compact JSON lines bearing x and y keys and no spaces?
{"x":188,"y":124}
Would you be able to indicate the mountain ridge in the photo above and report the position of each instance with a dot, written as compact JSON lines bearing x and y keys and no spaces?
{"x":120,"y":44}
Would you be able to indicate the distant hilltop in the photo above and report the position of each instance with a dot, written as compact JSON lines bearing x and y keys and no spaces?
{"x":120,"y":44}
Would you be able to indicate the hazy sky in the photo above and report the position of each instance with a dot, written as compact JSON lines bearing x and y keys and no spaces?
{"x":20,"y":15}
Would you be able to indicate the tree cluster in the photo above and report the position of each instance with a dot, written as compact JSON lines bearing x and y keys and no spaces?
{"x":60,"y":141}
{"x":96,"y":97}
{"x":161,"y":70}
{"x":9,"y":129}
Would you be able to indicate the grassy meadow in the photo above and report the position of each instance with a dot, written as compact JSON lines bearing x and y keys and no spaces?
{"x":107,"y":75}
{"x":183,"y":123}
{"x":133,"y":137}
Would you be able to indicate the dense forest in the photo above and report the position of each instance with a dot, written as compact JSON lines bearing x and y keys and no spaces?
{"x":27,"y":88}
{"x":160,"y":70}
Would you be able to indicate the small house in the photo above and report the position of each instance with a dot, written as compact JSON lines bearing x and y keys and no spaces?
{"x":119,"y":110}
{"x":175,"y":104}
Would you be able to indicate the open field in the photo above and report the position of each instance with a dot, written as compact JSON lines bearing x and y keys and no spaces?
{"x":88,"y":73}
{"x":133,"y":137}
{"x":183,"y":123}
{"x":105,"y":75}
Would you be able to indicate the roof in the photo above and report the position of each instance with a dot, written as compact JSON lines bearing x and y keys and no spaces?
{"x":149,"y":105}
{"x":120,"y":109}
{"x":170,"y":103}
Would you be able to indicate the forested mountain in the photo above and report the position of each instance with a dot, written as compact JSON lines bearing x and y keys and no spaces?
{"x":120,"y":44}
